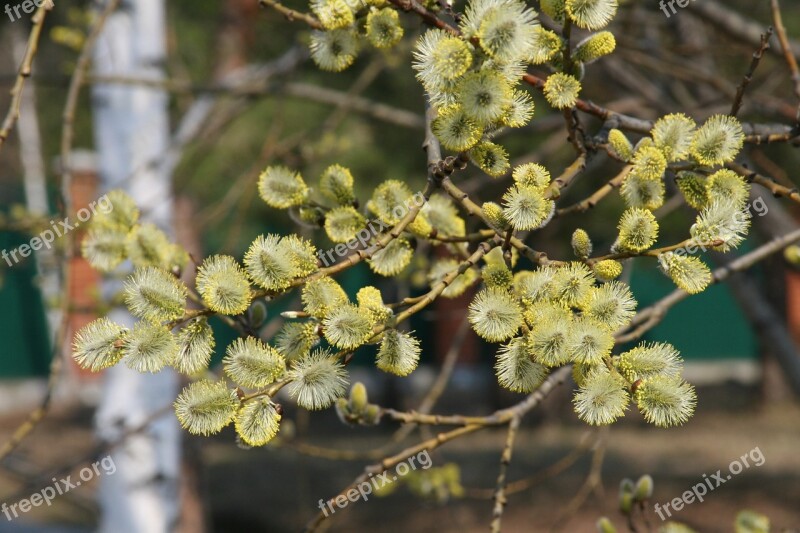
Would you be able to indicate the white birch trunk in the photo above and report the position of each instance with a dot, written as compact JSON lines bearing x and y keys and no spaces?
{"x":131,"y":129}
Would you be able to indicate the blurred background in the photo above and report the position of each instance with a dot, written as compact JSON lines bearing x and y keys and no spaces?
{"x":193,"y":99}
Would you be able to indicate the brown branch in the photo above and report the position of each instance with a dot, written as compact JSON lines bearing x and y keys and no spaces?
{"x":502,"y":416}
{"x":757,"y":55}
{"x":500,"y":491}
{"x":598,"y":195}
{"x":786,"y":48}
{"x":650,"y":317}
{"x":291,"y":14}
{"x":66,"y":144}
{"x":24,"y":72}
{"x":766,"y":182}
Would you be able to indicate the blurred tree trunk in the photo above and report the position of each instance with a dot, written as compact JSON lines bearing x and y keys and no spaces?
{"x":132,"y":131}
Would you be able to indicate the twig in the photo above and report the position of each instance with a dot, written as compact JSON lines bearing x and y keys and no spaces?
{"x":648,"y":318}
{"x":598,"y":195}
{"x":291,"y":14}
{"x":66,"y":144}
{"x":502,"y":416}
{"x":786,"y":48}
{"x":757,"y":55}
{"x":500,"y":491}
{"x":24,"y":73}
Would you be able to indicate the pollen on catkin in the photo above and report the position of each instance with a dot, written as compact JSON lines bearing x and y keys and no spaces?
{"x":602,"y":398}
{"x":526,"y":208}
{"x":507,"y":31}
{"x":343,"y":222}
{"x":347,"y":326}
{"x":520,"y":111}
{"x":561,"y":90}
{"x":252,"y":364}
{"x":666,"y":401}
{"x":155,"y":295}
{"x":546,"y":44}
{"x":620,"y":145}
{"x":281,"y":188}
{"x":484,"y":95}
{"x":336,"y":184}
{"x":334,"y":50}
{"x":195,"y":347}
{"x":717,"y":141}
{"x":205,"y":407}
{"x":383,"y":27}
{"x":98,"y":344}
{"x":672,"y":134}
{"x":491,"y":158}
{"x":531,"y":175}
{"x":595,"y":46}
{"x":607,"y":269}
{"x":495,"y":315}
{"x":332,"y":14}
{"x":316,"y":380}
{"x":223,"y":285}
{"x":648,"y":360}
{"x":571,"y":284}
{"x":392,"y":259}
{"x":515,"y":368}
{"x":258,"y":421}
{"x":611,"y":304}
{"x":455,"y":129}
{"x":295,"y":339}
{"x":638,"y":230}
{"x":149,"y":347}
{"x":321,"y":296}
{"x":591,"y":14}
{"x":399,"y":353}
{"x":727,"y":185}
{"x":687,"y":272}
{"x":693,"y":188}
{"x":581,"y":244}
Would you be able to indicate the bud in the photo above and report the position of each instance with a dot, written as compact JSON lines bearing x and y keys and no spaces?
{"x":372,"y":415}
{"x":581,"y":244}
{"x":620,"y":144}
{"x":604,"y":525}
{"x":626,"y":486}
{"x":494,"y":215}
{"x":626,"y":503}
{"x":607,"y":269}
{"x":792,"y":254}
{"x":644,"y":488}
{"x":358,"y":397}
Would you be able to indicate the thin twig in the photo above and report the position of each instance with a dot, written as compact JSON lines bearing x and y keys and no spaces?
{"x":60,"y":340}
{"x":500,"y":491}
{"x":757,"y":55}
{"x":24,"y":72}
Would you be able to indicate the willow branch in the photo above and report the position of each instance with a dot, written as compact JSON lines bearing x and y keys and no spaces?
{"x":27,"y":427}
{"x":291,"y":14}
{"x":786,"y":48}
{"x":648,"y":318}
{"x":24,"y":71}
{"x":500,"y":491}
{"x":503,"y":416}
{"x":757,"y":55}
